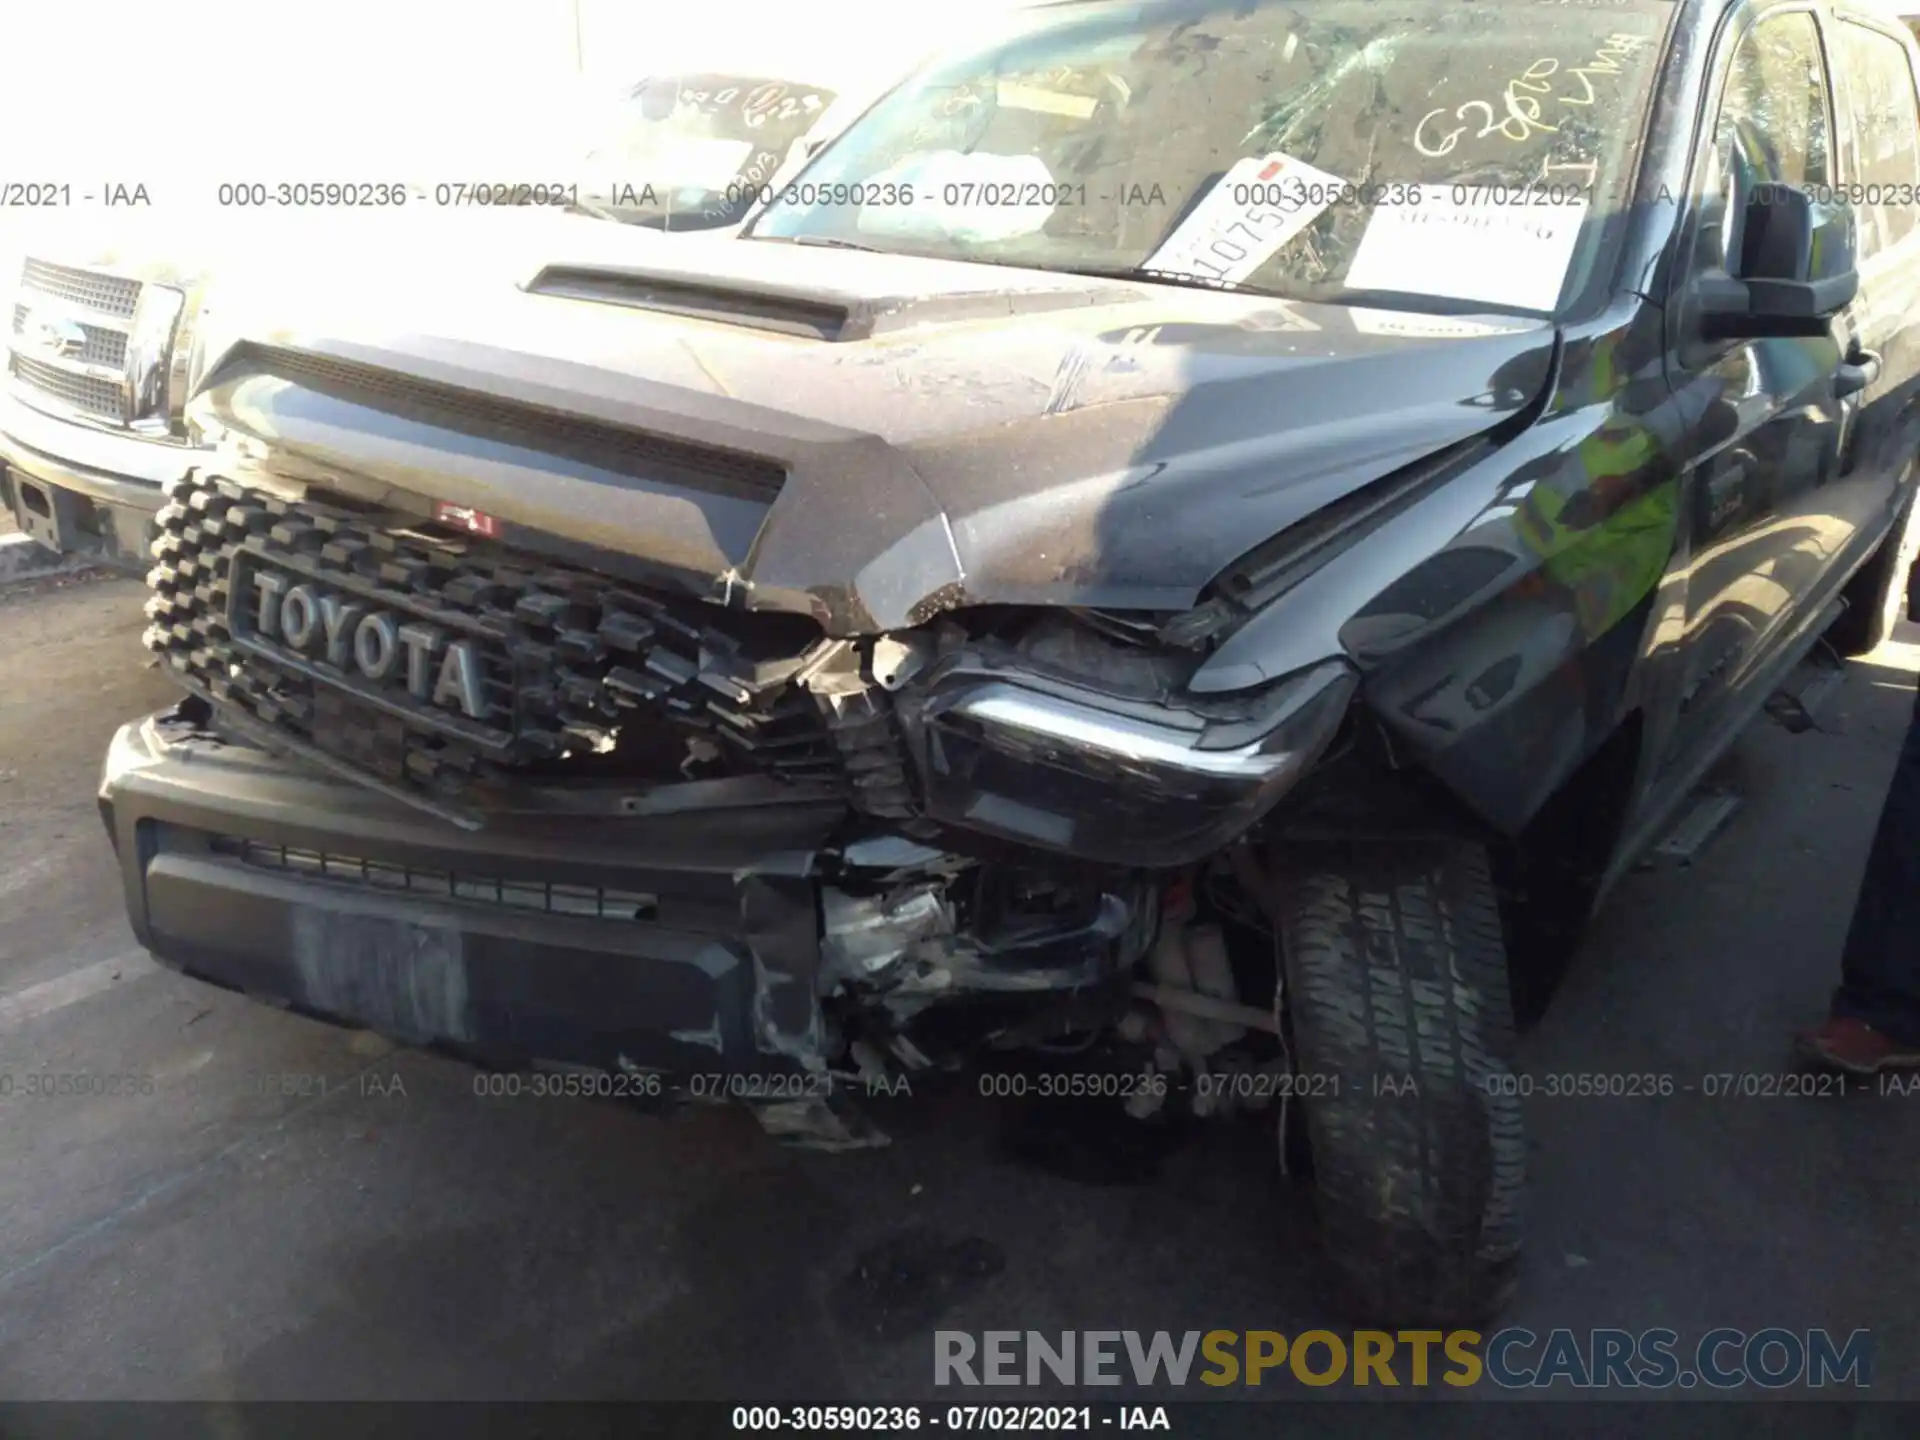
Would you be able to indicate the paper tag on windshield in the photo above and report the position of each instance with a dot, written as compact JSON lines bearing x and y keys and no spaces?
{"x":1254,"y":209}
{"x":689,"y":162}
{"x":978,"y":198}
{"x":1048,"y":102}
{"x":1494,"y":251}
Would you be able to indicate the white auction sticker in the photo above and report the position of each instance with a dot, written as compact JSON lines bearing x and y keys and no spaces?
{"x":1252,"y":210}
{"x":1493,"y":251}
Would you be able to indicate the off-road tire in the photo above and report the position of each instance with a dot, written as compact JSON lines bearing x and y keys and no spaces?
{"x":1877,"y":596}
{"x":1402,"y":1028}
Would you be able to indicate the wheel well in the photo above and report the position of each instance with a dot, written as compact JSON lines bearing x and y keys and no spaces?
{"x":1549,"y":873}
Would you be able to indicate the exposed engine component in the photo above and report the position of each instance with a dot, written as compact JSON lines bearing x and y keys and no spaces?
{"x":1192,"y":958}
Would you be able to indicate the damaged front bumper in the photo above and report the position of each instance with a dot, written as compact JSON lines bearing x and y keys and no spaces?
{"x":660,"y":836}
{"x":715,"y":926}
{"x":676,"y":940}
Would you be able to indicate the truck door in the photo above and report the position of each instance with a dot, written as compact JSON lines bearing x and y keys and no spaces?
{"x":1874,"y":65}
{"x":1763,"y":532}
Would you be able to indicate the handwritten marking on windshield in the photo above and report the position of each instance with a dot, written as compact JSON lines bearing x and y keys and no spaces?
{"x":1588,"y":168}
{"x":1521,"y":99}
{"x":1528,"y":120}
{"x":1606,"y":61}
{"x":756,"y":106}
{"x":772,"y":102}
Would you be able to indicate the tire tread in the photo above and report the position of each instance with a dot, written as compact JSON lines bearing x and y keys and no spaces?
{"x":1396,"y":973}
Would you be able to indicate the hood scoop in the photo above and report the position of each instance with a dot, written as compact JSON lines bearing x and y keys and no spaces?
{"x":758,"y":307}
{"x":816,"y":313}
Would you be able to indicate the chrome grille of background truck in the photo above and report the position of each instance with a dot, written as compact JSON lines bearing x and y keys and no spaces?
{"x":93,"y":347}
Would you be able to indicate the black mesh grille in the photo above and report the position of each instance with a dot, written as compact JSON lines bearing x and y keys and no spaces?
{"x":591,"y":901}
{"x":571,"y":662}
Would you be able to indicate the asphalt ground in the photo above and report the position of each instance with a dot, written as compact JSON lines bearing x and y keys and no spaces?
{"x":370,"y":1228}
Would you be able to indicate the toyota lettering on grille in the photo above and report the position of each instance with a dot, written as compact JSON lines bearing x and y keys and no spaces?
{"x":344,"y":634}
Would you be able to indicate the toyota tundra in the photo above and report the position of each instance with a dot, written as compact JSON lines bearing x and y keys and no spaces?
{"x":1203,"y":534}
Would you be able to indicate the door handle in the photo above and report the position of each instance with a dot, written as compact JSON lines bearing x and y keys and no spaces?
{"x":1855,"y":373}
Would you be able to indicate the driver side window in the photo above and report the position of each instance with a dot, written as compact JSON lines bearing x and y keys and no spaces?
{"x":1775,"y":122}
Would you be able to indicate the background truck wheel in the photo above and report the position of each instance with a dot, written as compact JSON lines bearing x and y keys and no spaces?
{"x":1396,"y":990}
{"x":1877,"y":596}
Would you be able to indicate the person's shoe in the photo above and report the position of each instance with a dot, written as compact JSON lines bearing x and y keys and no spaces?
{"x":1856,"y":1047}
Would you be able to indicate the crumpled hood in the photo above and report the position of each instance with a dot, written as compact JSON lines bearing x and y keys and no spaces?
{"x":941,"y":433}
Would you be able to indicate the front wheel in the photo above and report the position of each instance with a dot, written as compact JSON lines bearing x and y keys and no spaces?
{"x":1395,"y":987}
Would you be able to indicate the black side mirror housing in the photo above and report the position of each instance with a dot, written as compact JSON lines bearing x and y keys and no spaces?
{"x":1791,"y":268}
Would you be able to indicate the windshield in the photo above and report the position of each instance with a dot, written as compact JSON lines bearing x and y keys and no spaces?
{"x":1435,"y":154}
{"x":691,"y":152}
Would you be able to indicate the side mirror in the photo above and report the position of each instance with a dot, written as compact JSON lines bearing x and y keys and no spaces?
{"x":1790,"y":268}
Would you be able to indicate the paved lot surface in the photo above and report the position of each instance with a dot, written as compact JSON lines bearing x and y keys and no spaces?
{"x":396,"y":1236}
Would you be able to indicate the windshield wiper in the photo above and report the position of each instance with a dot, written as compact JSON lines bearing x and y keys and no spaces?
{"x":1428,"y":304}
{"x":1151,"y":277}
{"x":1376,"y":299}
{"x":598,"y":212}
{"x":825,"y":242}
{"x":1140,"y":274}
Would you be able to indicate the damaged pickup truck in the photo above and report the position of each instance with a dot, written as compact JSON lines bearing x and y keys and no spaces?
{"x":1180,"y":537}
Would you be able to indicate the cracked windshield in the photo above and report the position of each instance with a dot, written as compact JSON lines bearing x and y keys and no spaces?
{"x":1432,"y":156}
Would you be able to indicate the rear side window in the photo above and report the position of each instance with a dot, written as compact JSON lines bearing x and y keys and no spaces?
{"x":1886,"y":122}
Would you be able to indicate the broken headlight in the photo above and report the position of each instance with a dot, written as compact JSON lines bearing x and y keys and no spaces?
{"x":1067,"y":768}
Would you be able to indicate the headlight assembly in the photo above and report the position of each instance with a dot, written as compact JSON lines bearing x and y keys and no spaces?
{"x":1063,"y":767}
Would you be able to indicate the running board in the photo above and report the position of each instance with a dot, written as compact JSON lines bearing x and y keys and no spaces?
{"x":1797,"y":703}
{"x":1703,"y":817}
{"x":1637,"y":852}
